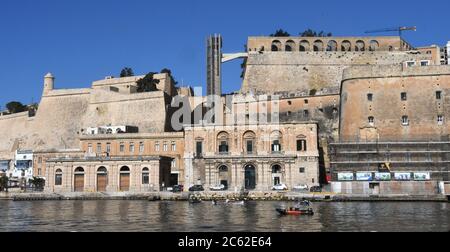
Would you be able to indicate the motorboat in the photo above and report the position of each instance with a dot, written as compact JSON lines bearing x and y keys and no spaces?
{"x":295,"y":211}
{"x":302,"y":208}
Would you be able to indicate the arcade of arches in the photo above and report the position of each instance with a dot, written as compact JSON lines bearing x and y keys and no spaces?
{"x":145,"y":174}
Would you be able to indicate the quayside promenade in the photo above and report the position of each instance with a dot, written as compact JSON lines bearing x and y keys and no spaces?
{"x":209,"y":196}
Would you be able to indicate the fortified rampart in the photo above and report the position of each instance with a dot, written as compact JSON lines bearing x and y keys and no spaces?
{"x":63,"y":115}
{"x":394,"y":103}
{"x":271,"y":72}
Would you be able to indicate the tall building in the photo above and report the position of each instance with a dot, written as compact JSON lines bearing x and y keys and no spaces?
{"x":214,"y":65}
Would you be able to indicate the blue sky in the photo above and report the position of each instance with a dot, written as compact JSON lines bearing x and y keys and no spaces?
{"x":80,"y":41}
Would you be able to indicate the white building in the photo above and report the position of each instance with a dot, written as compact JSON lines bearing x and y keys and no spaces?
{"x":23,"y":165}
{"x":445,"y":53}
{"x":103,"y":130}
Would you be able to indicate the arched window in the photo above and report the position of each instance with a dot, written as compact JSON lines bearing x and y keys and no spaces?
{"x":332,"y":46}
{"x":304,"y":46}
{"x":79,"y":170}
{"x":145,"y":176}
{"x":223,"y":142}
{"x":125,"y":169}
{"x":318,"y":46}
{"x":346,"y":46}
{"x":276,"y":139}
{"x":58,"y":177}
{"x":223,"y":168}
{"x":250,"y":142}
{"x":374,"y":45}
{"x":276,"y":46}
{"x":290,"y":46}
{"x":360,"y":46}
{"x":276,"y":169}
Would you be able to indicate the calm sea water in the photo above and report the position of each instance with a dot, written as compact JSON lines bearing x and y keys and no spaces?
{"x":112,"y":216}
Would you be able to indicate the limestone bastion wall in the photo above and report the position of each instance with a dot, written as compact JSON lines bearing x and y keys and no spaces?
{"x":270,"y":72}
{"x":62,"y":115}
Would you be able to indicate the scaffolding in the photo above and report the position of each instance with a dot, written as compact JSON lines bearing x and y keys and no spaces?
{"x":430,"y":156}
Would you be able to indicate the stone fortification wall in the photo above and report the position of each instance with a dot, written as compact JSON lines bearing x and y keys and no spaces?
{"x":271,"y":72}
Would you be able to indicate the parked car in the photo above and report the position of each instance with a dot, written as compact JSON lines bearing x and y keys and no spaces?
{"x":280,"y":187}
{"x":301,"y":188}
{"x":178,"y":188}
{"x":196,"y":188}
{"x":218,"y":188}
{"x":316,"y":189}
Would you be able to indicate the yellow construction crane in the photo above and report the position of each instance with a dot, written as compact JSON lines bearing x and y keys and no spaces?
{"x":396,"y":29}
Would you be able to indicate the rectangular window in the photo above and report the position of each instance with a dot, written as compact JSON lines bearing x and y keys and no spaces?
{"x":174,"y":146}
{"x":108,"y":147}
{"x":249,"y":146}
{"x":370,"y":97}
{"x":302,"y":169}
{"x":410,"y":63}
{"x":122,"y":147}
{"x":301,"y":145}
{"x":276,"y":146}
{"x":438,"y":95}
{"x":157,"y":147}
{"x":131,"y":147}
{"x":99,"y":148}
{"x":145,"y":178}
{"x":404,"y":96}
{"x":90,"y":150}
{"x":306,"y":113}
{"x":440,"y":119}
{"x":141,"y":147}
{"x":199,"y":149}
{"x":58,"y":179}
{"x":371,"y":120}
{"x":405,"y":121}
{"x":166,"y":147}
{"x":424,"y":63}
{"x":174,"y":164}
{"x":223,"y":147}
{"x":40,"y":160}
{"x":39,"y":172}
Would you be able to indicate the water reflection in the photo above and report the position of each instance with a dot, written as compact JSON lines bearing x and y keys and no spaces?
{"x":113,"y":216}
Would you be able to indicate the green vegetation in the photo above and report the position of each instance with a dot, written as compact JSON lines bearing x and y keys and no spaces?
{"x":147,"y":84}
{"x":280,"y":33}
{"x":126,"y":72}
{"x":4,"y":183}
{"x":38,"y":183}
{"x":312,"y":33}
{"x":16,"y":107}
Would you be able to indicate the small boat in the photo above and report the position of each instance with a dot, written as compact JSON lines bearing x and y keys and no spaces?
{"x":194,"y":200}
{"x":295,"y":211}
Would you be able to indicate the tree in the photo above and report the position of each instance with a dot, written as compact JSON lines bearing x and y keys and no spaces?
{"x":147,"y":84}
{"x":4,"y":183}
{"x":168,"y":71}
{"x":38,"y":183}
{"x":126,"y":72}
{"x":16,"y":107}
{"x":280,"y":33}
{"x":312,"y":33}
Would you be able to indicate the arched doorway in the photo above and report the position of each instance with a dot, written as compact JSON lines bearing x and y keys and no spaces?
{"x":276,"y":175}
{"x":102,"y":179}
{"x":79,"y":180}
{"x":124,"y":183}
{"x":250,"y":177}
{"x":224,"y":176}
